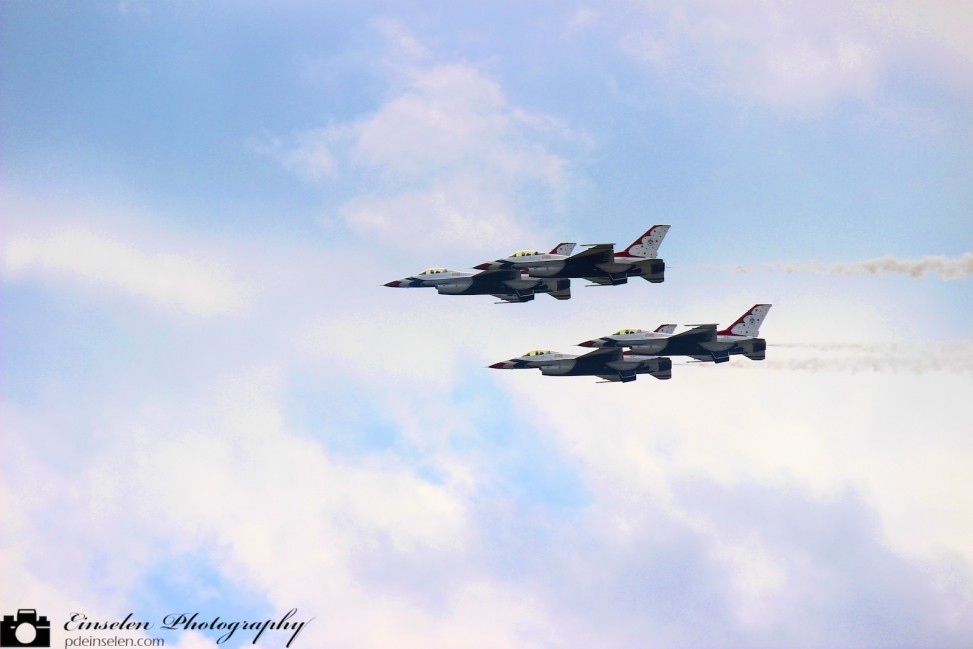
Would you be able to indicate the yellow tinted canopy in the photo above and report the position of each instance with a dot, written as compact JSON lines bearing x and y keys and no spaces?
{"x":538,"y":352}
{"x":624,"y":332}
{"x":525,"y":253}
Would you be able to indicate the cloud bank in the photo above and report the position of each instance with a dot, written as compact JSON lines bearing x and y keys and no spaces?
{"x":340,"y":447}
{"x":188,"y":285}
{"x":447,"y":161}
{"x":801,"y":55}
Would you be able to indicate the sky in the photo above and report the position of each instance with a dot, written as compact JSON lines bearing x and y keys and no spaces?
{"x":209,"y":403}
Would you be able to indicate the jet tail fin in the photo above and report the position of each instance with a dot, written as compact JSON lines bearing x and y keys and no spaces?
{"x":647,"y":245}
{"x":563,"y":249}
{"x":665,"y":329}
{"x":749,"y":323}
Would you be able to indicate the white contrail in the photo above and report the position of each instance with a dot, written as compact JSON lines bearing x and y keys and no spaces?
{"x":944,"y":267}
{"x":954,"y":357}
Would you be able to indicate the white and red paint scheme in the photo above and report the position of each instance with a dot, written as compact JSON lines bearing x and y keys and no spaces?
{"x":702,"y":342}
{"x":599,"y":263}
{"x":508,"y":285}
{"x":612,"y":365}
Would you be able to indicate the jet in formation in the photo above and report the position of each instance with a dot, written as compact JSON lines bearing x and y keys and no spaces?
{"x":519,"y":277}
{"x":703,"y":342}
{"x":598,"y":263}
{"x":629,"y":352}
{"x":610,"y":364}
{"x":508,"y":285}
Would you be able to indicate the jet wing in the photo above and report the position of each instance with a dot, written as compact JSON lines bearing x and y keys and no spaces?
{"x":621,"y":368}
{"x":601,"y":281}
{"x":499,"y":275}
{"x":513,"y":298}
{"x":492,"y":281}
{"x":596,"y":361}
{"x":714,"y":357}
{"x":687,"y":343}
{"x":585,"y":262}
{"x":698,"y":334}
{"x":599,"y":253}
{"x":495,"y":283}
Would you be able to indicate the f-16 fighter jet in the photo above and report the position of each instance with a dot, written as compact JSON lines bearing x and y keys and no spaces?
{"x":509,"y":285}
{"x":702,"y":342}
{"x":599,"y":263}
{"x":609,"y":364}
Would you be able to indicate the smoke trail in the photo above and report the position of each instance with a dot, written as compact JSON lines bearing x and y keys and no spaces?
{"x":944,"y":267}
{"x":914,"y":357}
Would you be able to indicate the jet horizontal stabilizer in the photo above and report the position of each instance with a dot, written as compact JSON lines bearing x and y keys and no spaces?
{"x":610,"y":280}
{"x":514,"y":298}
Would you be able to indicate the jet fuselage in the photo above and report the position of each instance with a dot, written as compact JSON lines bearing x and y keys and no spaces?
{"x":509,"y":285}
{"x":611,"y":365}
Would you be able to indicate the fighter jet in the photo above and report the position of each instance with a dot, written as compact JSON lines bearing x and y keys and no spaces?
{"x":599,"y":263}
{"x":608,"y":364}
{"x":510,"y":285}
{"x":702,"y":342}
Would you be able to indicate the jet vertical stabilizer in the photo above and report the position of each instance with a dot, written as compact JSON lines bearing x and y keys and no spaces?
{"x":646,"y":246}
{"x":749,"y":323}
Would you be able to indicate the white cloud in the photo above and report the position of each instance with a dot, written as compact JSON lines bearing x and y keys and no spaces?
{"x":310,"y":157}
{"x":446,"y":161}
{"x":403,"y":44}
{"x":758,"y":576}
{"x":944,"y":24}
{"x":711,"y":493}
{"x":452,"y":116}
{"x":191,"y":285}
{"x":276,"y":515}
{"x":582,"y":18}
{"x":447,"y":216}
{"x":845,"y":430}
{"x":777,"y":506}
{"x":711,"y":451}
{"x":801,"y":55}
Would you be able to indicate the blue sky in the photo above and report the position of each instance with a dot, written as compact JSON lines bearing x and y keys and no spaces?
{"x":210,"y":403}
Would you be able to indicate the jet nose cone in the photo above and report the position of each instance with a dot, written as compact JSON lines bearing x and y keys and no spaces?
{"x":499,"y":366}
{"x":587,"y":343}
{"x":394,"y":283}
{"x":484,"y":266}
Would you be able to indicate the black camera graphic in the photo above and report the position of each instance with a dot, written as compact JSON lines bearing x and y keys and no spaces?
{"x":39,"y":629}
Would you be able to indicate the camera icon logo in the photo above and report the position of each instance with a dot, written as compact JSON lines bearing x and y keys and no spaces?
{"x":25,"y":630}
